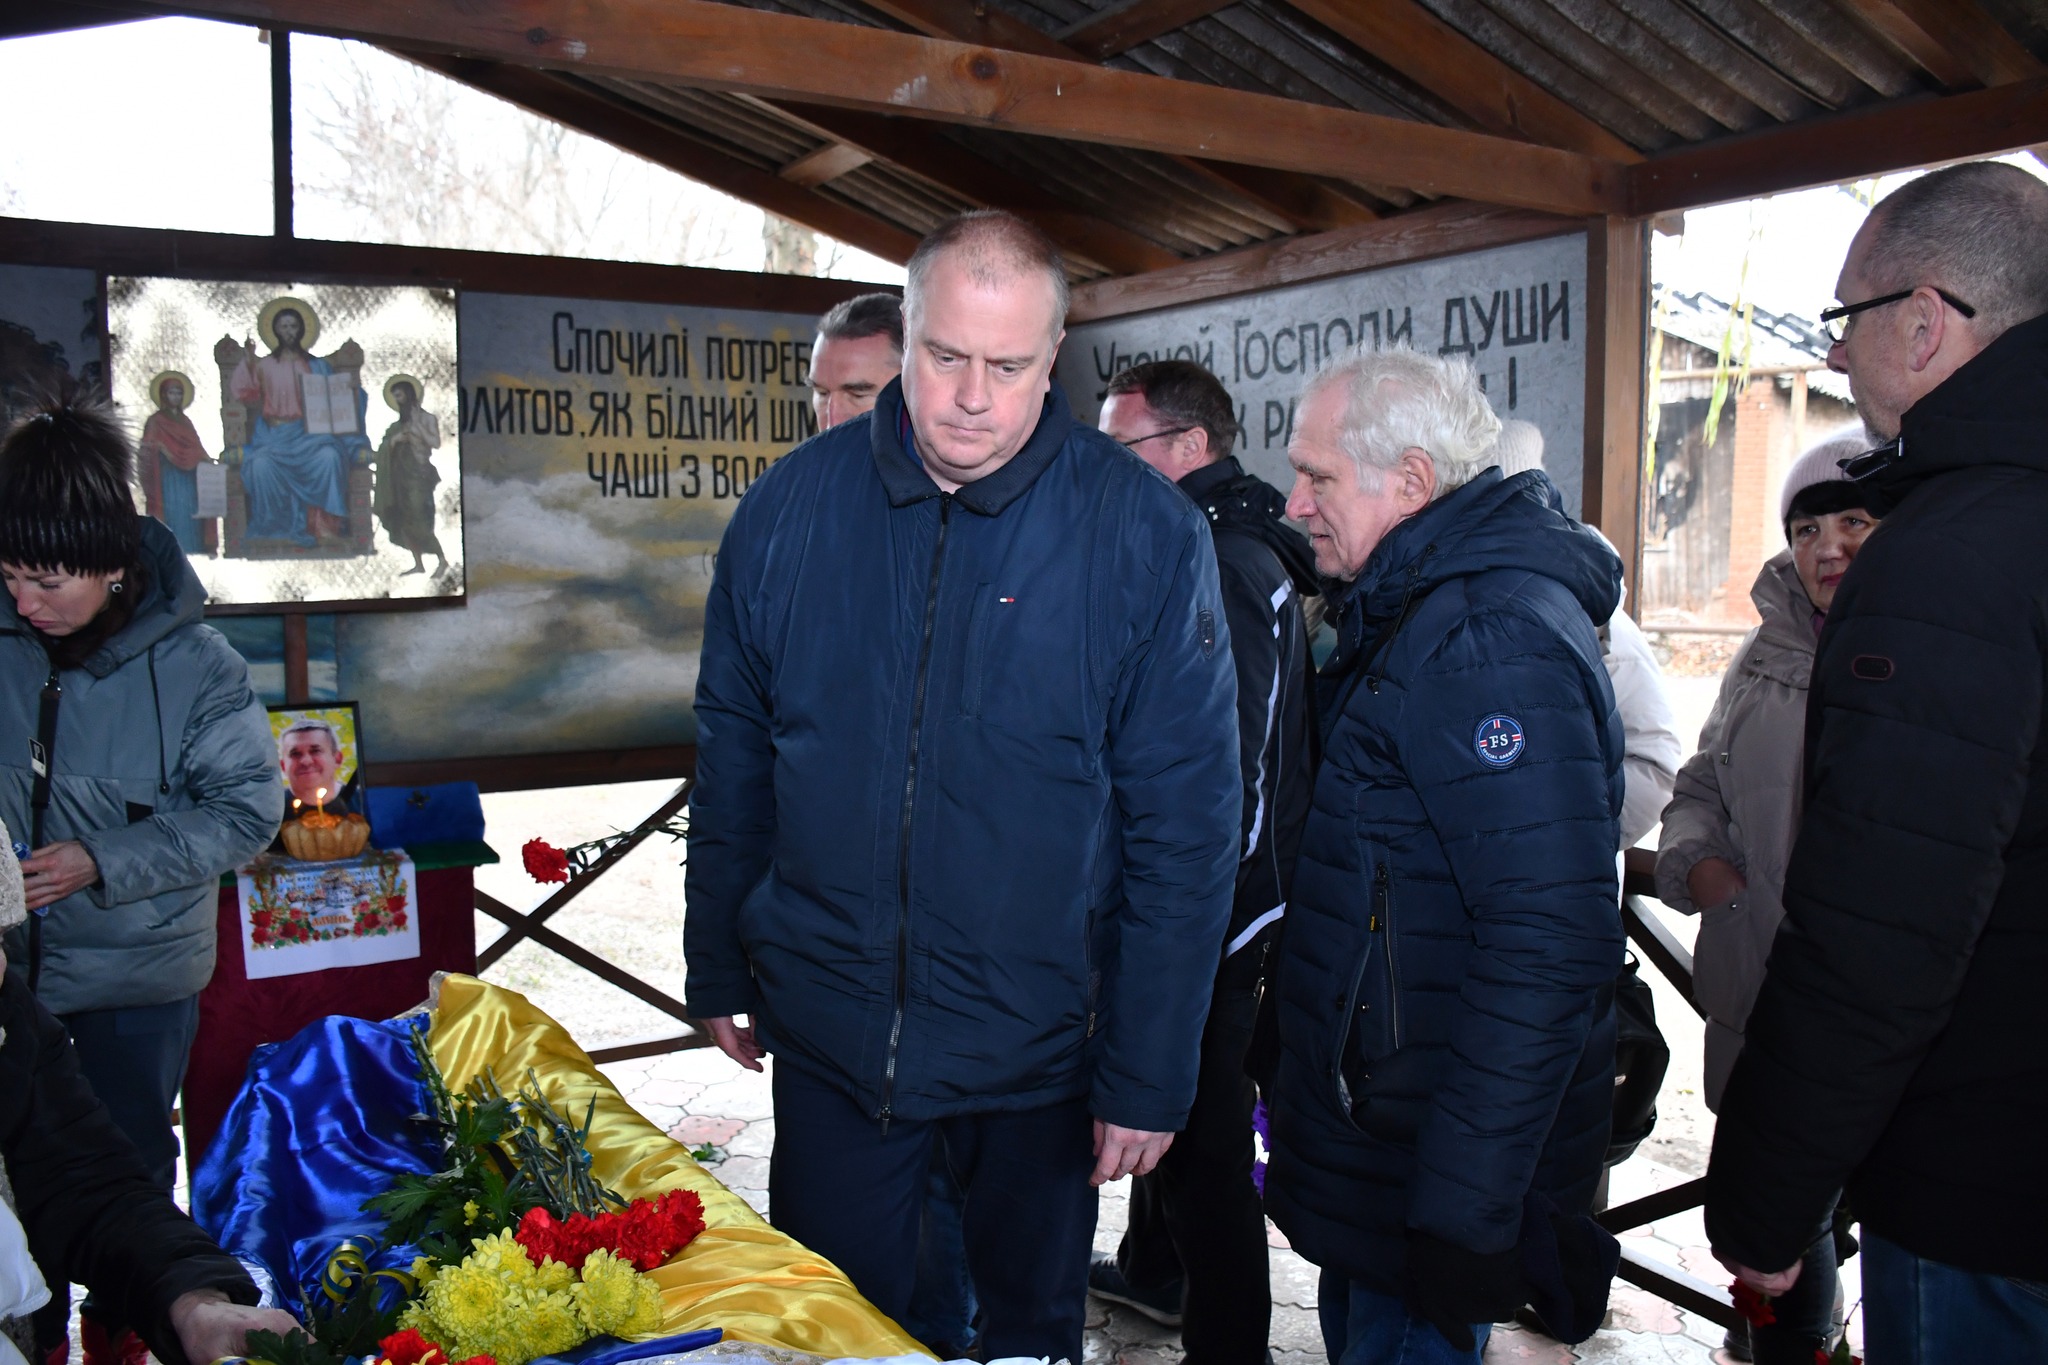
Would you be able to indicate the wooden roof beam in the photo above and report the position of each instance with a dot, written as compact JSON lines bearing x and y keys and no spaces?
{"x":727,"y":47}
{"x":921,"y":149}
{"x":592,"y":113}
{"x":1119,"y":28}
{"x":1828,"y":151}
{"x":825,"y":165}
{"x":1288,"y":198}
{"x":1422,"y":48}
{"x":1955,"y":40}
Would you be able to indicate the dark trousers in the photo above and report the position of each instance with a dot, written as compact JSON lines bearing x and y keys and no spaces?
{"x":134,"y":1060}
{"x":854,"y":1194}
{"x":1197,"y":1219}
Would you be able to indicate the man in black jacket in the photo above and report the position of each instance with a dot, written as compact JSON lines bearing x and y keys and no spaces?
{"x":1900,"y":1043}
{"x":89,"y":1210}
{"x":1197,"y":1232}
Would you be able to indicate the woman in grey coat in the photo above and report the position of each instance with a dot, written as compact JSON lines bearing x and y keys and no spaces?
{"x":1728,"y":830}
{"x":135,"y":761}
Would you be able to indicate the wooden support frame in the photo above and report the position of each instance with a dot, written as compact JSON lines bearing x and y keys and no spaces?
{"x":1617,"y":373}
{"x":1296,"y":200}
{"x":923,"y":150}
{"x":717,"y":46}
{"x":1440,"y":230}
{"x":580,"y":882}
{"x":1829,"y":150}
{"x":1119,"y":28}
{"x":227,"y":256}
{"x":636,"y":130}
{"x":1424,"y":49}
{"x":532,"y":926}
{"x":1957,"y":41}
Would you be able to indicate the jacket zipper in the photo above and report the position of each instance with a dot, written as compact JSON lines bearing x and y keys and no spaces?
{"x":924,"y":661}
{"x":1383,"y":920}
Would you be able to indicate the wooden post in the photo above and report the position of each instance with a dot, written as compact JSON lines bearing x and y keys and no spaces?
{"x":1617,"y":335}
{"x":296,"y":686}
{"x":281,"y":142}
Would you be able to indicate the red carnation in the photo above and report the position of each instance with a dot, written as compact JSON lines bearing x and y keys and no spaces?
{"x":545,"y":862}
{"x":1755,"y":1308}
{"x":408,"y":1348}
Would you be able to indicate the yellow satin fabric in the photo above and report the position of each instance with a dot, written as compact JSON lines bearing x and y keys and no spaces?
{"x":740,"y":1274}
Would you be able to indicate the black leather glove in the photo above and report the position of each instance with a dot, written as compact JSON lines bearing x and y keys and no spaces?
{"x":1451,"y":1288}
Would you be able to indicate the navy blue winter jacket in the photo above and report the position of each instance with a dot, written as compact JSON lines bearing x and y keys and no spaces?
{"x":965,"y":826}
{"x":1446,"y":981}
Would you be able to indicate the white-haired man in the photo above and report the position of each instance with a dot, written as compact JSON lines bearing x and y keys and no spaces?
{"x":1446,"y":1031}
{"x":964,"y":834}
{"x":1899,"y":1045}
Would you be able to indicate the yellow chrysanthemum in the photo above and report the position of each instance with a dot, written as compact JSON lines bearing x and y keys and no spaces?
{"x":501,"y":1254}
{"x":422,"y":1272}
{"x":615,"y":1299}
{"x":468,"y":1305}
{"x":546,"y":1324}
{"x":551,"y":1276}
{"x":469,"y":1211}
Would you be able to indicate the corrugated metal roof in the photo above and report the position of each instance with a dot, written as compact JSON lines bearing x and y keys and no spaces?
{"x":1655,"y":74}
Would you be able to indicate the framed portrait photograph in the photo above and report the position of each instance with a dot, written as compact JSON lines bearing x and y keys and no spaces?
{"x":320,"y":758}
{"x":300,"y":440}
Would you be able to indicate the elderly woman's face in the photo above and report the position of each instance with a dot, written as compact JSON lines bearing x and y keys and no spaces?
{"x":55,"y":602}
{"x":1824,"y":546}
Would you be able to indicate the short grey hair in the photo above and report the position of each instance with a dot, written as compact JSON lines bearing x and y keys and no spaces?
{"x":307,"y":726}
{"x":1978,"y":230}
{"x":1519,"y":447}
{"x":1398,"y":399}
{"x":995,"y":247}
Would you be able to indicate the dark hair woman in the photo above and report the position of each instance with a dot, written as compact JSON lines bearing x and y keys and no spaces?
{"x":136,"y":761}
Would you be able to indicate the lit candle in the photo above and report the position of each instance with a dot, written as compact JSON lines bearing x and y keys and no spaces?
{"x":320,"y":799}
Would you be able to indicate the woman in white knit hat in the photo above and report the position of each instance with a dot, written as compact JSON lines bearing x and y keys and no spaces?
{"x":1728,"y":831}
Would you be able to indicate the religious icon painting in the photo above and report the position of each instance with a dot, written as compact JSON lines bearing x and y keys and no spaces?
{"x":291,"y":435}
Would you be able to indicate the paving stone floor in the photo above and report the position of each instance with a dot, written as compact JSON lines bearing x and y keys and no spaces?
{"x":701,"y":1097}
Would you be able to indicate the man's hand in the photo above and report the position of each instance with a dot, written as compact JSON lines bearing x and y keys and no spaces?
{"x":1714,"y":881}
{"x":1772,"y":1284}
{"x":736,"y":1041}
{"x":209,"y":1326}
{"x":1125,"y":1151}
{"x":54,"y":871}
{"x":1452,"y":1288}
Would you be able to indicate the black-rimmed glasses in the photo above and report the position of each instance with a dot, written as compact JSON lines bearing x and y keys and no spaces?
{"x":1832,"y":318}
{"x":1170,"y":431}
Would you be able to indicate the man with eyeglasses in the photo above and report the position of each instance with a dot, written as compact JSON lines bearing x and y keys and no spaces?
{"x":1194,"y":1255}
{"x":1899,"y":1047}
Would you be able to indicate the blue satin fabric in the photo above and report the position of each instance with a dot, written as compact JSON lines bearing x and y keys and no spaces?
{"x":323,"y":1122}
{"x":612,"y":1351}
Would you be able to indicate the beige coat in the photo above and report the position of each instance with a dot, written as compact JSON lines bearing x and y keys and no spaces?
{"x":1738,"y":798}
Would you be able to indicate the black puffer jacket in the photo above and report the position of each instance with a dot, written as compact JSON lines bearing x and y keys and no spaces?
{"x":91,"y":1214}
{"x":1900,"y":1043}
{"x":1267,"y":571}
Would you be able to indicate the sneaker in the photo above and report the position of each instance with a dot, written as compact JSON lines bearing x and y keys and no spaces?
{"x":1162,"y":1305}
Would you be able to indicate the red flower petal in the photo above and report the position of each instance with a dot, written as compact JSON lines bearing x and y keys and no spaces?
{"x":544,"y":862}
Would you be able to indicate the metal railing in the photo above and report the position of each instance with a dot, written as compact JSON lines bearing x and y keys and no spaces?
{"x":532,"y":925}
{"x":1646,"y":930}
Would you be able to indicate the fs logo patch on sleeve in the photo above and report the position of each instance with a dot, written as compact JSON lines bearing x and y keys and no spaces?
{"x":1499,"y":740}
